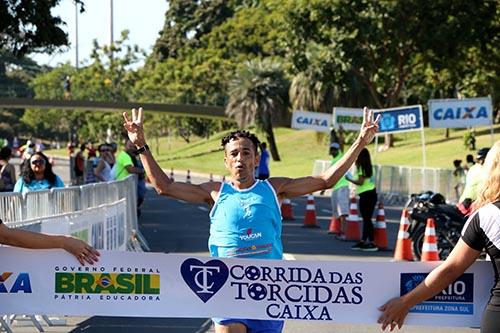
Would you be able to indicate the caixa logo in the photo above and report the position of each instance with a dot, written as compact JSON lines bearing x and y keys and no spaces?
{"x":12,"y":283}
{"x":471,"y":112}
{"x":204,"y":279}
{"x":312,"y":121}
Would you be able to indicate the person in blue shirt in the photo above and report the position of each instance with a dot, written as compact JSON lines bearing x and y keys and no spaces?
{"x":37,"y":175}
{"x":245,"y":219}
{"x":263,"y":162}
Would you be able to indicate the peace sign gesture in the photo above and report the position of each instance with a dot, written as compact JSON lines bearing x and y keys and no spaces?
{"x":134,"y":127}
{"x":369,"y":126}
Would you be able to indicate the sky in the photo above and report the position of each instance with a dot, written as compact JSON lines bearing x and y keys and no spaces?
{"x":144,"y":20}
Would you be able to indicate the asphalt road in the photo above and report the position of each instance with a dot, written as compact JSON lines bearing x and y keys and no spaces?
{"x":174,"y":226}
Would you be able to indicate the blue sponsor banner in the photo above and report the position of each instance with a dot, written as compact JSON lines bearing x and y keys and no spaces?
{"x":457,"y":298}
{"x":437,"y":307}
{"x":460,"y":113}
{"x":403,"y":119}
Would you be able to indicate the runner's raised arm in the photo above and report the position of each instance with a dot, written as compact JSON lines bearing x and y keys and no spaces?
{"x":289,"y":187}
{"x":162,"y":183}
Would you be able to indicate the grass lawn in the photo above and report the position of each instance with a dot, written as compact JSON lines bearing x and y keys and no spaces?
{"x":299,"y":149}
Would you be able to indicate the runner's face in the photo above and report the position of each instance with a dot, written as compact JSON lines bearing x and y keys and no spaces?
{"x":240,"y":159}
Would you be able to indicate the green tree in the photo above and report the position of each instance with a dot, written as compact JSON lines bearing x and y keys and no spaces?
{"x":29,"y":26}
{"x":201,"y":47}
{"x":109,"y":77}
{"x":259,"y":94}
{"x":186,"y":22}
{"x":381,"y":41}
{"x":312,"y":89}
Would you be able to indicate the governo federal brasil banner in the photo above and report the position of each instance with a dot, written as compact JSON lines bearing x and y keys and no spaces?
{"x":168,"y":285}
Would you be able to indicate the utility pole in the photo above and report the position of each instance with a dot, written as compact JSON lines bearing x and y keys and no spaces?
{"x":76,"y":35}
{"x":111,"y":23}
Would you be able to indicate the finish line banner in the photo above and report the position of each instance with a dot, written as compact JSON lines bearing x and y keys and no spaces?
{"x":168,"y":285}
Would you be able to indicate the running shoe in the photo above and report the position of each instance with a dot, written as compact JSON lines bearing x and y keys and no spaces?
{"x":369,"y":247}
{"x":358,"y":246}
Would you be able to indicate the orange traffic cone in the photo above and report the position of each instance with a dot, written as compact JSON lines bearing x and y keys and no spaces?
{"x":286,"y":209}
{"x":310,"y":215}
{"x":188,"y":177}
{"x":429,"y":248}
{"x":335,"y":227}
{"x":172,"y":174}
{"x":403,"y":244}
{"x":353,"y":231}
{"x":380,"y":229}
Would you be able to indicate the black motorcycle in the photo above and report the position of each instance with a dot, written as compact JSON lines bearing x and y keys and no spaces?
{"x":449,"y":222}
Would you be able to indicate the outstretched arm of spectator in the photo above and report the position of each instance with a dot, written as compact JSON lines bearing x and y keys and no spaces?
{"x":394,"y":311}
{"x":289,"y":187}
{"x":162,"y":183}
{"x":33,"y":240}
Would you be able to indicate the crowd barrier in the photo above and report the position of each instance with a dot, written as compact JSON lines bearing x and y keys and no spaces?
{"x":17,"y":207}
{"x":396,"y":183}
{"x":102,"y":214}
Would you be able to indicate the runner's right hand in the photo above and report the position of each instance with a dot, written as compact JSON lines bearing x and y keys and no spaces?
{"x":134,"y":127}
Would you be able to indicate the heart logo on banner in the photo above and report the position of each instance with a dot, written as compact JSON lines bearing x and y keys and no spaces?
{"x":204,"y":279}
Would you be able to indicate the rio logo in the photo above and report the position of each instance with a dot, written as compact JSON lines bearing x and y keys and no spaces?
{"x":11,"y":283}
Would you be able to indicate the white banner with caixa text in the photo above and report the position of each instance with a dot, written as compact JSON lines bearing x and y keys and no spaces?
{"x":169,"y":285}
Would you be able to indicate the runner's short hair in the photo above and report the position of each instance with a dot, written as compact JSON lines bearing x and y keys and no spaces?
{"x":235,"y":135}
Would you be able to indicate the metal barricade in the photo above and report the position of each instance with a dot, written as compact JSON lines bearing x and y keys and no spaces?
{"x":87,"y":196}
{"x":11,"y":207}
{"x":38,"y":204}
{"x":16,"y":207}
{"x":66,"y":200}
{"x":396,"y":183}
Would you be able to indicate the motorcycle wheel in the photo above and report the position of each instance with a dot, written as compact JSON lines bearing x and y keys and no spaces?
{"x":417,"y":241}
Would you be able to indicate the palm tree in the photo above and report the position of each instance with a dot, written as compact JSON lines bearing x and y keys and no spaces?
{"x":309,"y":93}
{"x":259,"y":94}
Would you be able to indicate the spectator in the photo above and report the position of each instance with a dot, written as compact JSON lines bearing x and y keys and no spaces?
{"x":67,"y":87}
{"x":71,"y":148}
{"x":337,"y":137}
{"x":39,"y":146}
{"x":367,"y":199}
{"x":126,"y":164}
{"x":469,"y":162}
{"x":103,"y":170}
{"x":459,"y":178}
{"x":91,"y":152}
{"x":472,"y":181}
{"x":28,"y":150}
{"x":263,"y":162}
{"x":7,"y":171}
{"x":37,"y":175}
{"x":340,"y":192}
{"x":481,"y":231}
{"x":34,"y":240}
{"x":79,"y":166}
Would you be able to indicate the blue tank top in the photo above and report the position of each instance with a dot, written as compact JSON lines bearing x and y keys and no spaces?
{"x":246,"y":223}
